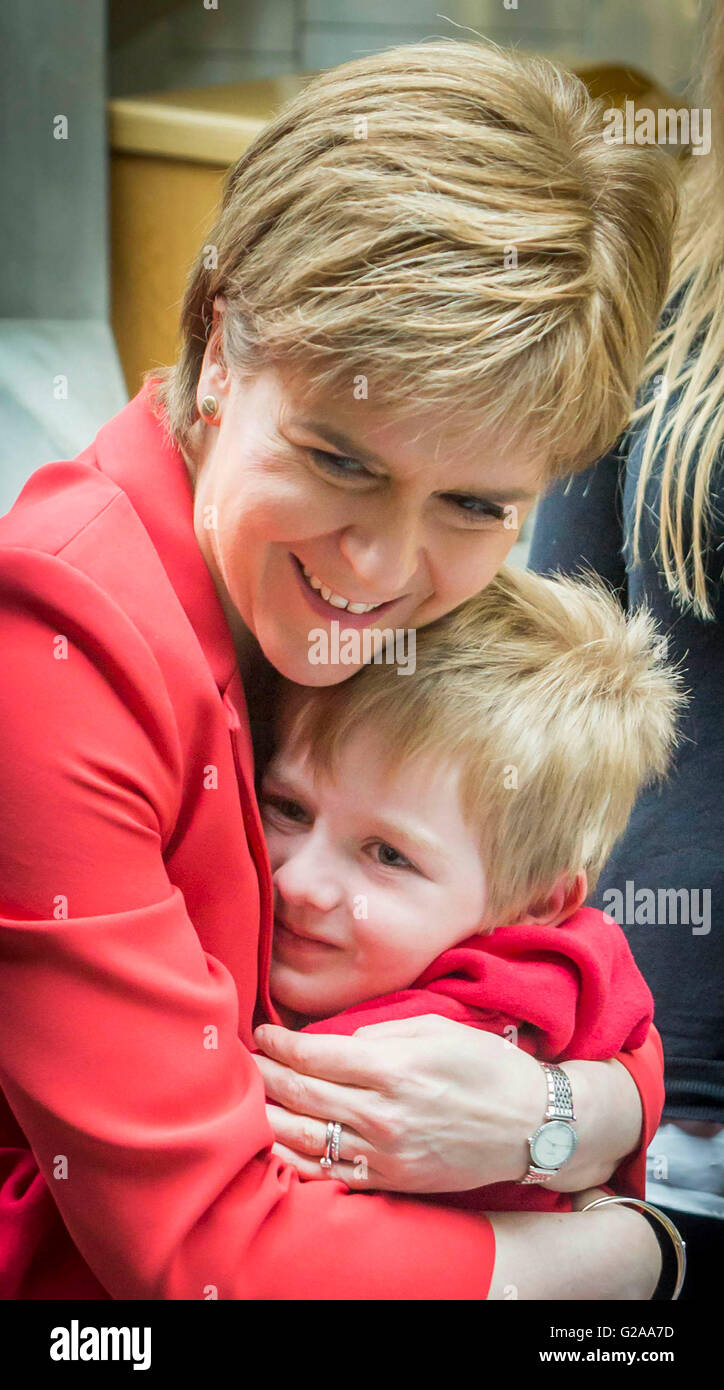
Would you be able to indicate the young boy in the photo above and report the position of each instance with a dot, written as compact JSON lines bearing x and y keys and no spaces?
{"x":433,"y":838}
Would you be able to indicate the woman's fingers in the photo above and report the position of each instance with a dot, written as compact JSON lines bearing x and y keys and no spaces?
{"x":350,"y":1061}
{"x":416,"y":1026}
{"x":309,"y":1096}
{"x":357,"y":1175}
{"x":307,"y":1137}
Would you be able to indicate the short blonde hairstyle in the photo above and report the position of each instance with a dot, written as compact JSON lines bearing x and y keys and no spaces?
{"x":446,"y":220}
{"x":557,"y":707}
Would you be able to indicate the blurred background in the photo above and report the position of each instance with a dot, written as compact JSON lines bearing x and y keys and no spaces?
{"x":120,"y":119}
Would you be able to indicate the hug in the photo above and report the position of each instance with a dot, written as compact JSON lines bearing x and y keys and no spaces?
{"x":297,"y":955}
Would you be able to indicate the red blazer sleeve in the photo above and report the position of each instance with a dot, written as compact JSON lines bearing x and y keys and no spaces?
{"x":153,"y":1141}
{"x":646,"y":1065}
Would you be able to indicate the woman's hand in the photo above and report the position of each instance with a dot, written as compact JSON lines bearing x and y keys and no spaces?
{"x":428,"y":1105}
{"x":425,"y":1104}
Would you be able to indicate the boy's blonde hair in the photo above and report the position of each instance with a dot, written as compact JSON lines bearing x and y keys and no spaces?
{"x":557,"y":707}
{"x":445,"y":220}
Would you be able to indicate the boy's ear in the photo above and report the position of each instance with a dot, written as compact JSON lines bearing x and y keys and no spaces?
{"x":560,"y":903}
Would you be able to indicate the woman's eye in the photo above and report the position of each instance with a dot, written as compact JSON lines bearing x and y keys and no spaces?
{"x":390,"y":857}
{"x":339,"y":465}
{"x":472,"y":509}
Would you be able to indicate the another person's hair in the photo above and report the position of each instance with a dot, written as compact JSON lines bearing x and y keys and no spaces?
{"x":554,"y":704}
{"x":685,"y":444}
{"x":446,"y":220}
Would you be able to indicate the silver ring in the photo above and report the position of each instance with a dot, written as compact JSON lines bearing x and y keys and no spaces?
{"x":331,"y":1144}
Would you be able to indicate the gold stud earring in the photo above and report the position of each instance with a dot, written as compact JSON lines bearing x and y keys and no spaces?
{"x":209,"y":407}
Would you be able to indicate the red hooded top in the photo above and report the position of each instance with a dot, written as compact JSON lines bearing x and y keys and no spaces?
{"x":135,"y":930}
{"x":571,"y":991}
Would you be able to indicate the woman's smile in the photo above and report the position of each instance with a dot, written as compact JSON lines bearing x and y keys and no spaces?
{"x":329,"y":604}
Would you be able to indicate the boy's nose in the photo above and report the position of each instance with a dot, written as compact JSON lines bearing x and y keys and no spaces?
{"x":303,"y":881}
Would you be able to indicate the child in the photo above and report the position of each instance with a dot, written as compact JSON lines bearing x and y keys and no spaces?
{"x":433,"y":838}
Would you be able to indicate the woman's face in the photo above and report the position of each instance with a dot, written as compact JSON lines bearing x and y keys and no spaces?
{"x":308,"y":511}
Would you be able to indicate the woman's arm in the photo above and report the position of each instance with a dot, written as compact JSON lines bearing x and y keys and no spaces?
{"x":120,"y":1053}
{"x":571,"y":1256}
{"x":455,"y":1108}
{"x":619,"y":1105}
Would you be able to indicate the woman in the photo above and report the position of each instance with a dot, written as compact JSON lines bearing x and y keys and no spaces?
{"x":649,"y":518}
{"x":499,"y":265}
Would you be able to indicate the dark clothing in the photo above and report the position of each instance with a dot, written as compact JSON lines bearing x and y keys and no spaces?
{"x":675,"y":838}
{"x":704,"y":1237}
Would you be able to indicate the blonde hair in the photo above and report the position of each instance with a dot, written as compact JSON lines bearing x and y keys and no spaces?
{"x":688,"y":353}
{"x":557,"y":707}
{"x":444,"y":219}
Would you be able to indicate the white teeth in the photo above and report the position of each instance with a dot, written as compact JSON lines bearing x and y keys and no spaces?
{"x":336,"y":600}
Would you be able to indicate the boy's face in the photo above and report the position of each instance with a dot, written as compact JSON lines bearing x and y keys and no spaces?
{"x":374,"y":875}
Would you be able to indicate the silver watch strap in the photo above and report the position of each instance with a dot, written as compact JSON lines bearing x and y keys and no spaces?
{"x":559,"y":1107}
{"x":560,"y":1095}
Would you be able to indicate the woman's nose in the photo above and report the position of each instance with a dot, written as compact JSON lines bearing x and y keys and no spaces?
{"x":385,"y":557}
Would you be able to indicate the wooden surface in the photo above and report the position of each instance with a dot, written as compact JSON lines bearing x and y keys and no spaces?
{"x":160,"y":212}
{"x":209,"y":125}
{"x":169,"y":154}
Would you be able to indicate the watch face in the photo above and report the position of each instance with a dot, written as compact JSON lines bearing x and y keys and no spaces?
{"x":553,"y":1144}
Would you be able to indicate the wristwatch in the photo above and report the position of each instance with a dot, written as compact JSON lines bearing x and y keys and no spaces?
{"x":555,"y":1140}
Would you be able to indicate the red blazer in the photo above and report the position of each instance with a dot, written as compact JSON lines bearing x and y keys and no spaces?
{"x":135,"y":929}
{"x":571,"y":991}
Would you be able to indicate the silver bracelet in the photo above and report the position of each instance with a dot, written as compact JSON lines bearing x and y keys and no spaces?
{"x":669,"y":1227}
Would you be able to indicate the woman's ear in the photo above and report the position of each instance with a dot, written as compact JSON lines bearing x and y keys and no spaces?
{"x":214,"y":377}
{"x":560,"y":903}
{"x":215,"y":344}
{"x":218,"y":309}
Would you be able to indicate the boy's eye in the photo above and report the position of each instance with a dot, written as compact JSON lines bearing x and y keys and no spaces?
{"x":339,"y":465}
{"x":285,"y":807}
{"x":390,"y":857}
